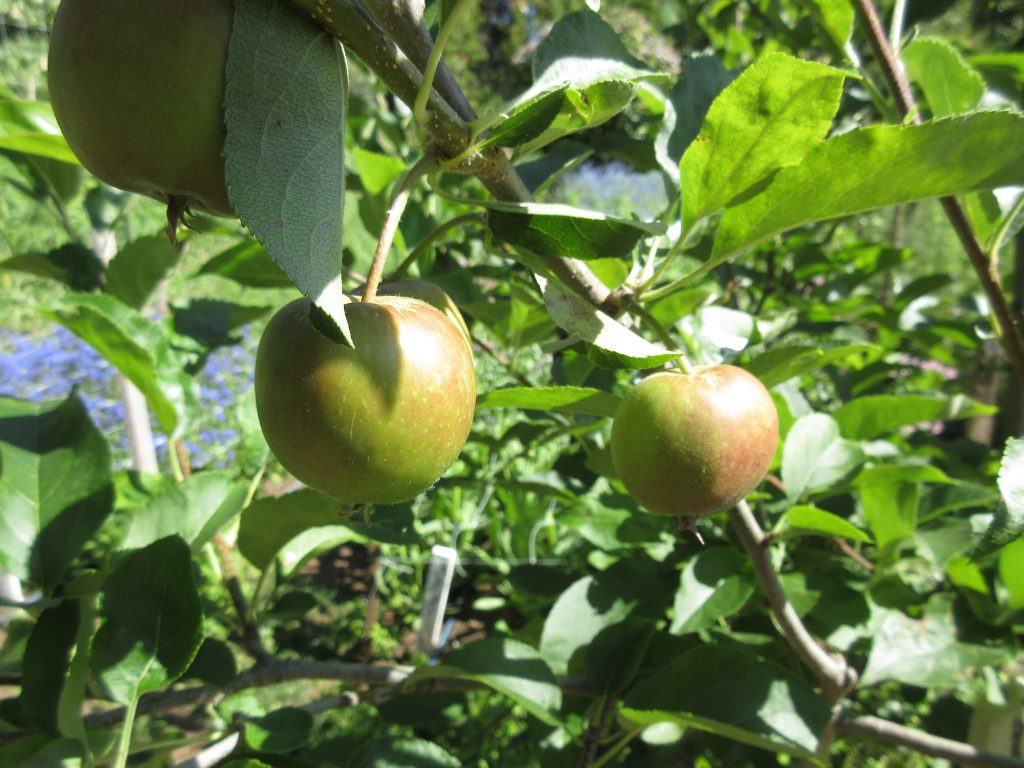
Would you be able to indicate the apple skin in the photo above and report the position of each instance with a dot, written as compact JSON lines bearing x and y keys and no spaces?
{"x":434,"y":295}
{"x":692,"y":445}
{"x":378,"y":424}
{"x":137,"y":87}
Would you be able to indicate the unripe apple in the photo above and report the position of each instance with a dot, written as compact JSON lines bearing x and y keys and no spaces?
{"x":137,"y":87}
{"x":377,"y":424}
{"x":691,"y":445}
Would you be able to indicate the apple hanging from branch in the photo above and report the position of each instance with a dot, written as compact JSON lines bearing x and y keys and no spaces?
{"x":694,"y":444}
{"x":377,"y":424}
{"x":137,"y":88}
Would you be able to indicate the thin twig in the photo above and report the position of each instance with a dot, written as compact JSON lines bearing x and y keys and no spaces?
{"x":290,"y":671}
{"x":956,"y":752}
{"x":402,"y":20}
{"x":366,"y":675}
{"x":844,"y":545}
{"x":1010,"y":334}
{"x":433,"y":237}
{"x":249,"y":632}
{"x":503,"y":361}
{"x":592,"y":740}
{"x":834,"y":675}
{"x":434,"y":59}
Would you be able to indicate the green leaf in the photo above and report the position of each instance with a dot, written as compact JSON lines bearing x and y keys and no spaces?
{"x":878,"y":166}
{"x":152,"y":621}
{"x":926,"y":651}
{"x":40,"y":751}
{"x":137,"y":269}
{"x":589,"y":605}
{"x":578,"y":615}
{"x":883,"y":474}
{"x":560,"y":230}
{"x":583,"y":76}
{"x":983,"y":211}
{"x":138,"y":348}
{"x":612,"y":522}
{"x":30,"y":127}
{"x":1011,"y":571}
{"x":619,"y":345}
{"x":376,"y":170}
{"x":566,"y":399}
{"x":283,"y":730}
{"x":941,"y":544}
{"x":680,"y":304}
{"x":803,"y":596}
{"x":815,"y":457}
{"x":890,"y":497}
{"x":509,"y":667}
{"x":874,"y":416}
{"x":214,"y":663}
{"x":790,"y":359}
{"x":285,"y":109}
{"x":195,"y":510}
{"x":406,"y":753}
{"x":72,"y":264}
{"x":47,"y":181}
{"x":55,"y":487}
{"x":268,"y":524}
{"x":45,"y":665}
{"x":1008,"y":523}
{"x":947,"y":498}
{"x":615,"y":654}
{"x":835,"y":17}
{"x":1011,"y":476}
{"x":248,"y":264}
{"x":810,"y":519}
{"x":715,"y":584}
{"x":950,"y":85}
{"x":966,"y":575}
{"x":27,"y":116}
{"x":212,"y":322}
{"x":38,"y":144}
{"x":688,"y":102}
{"x":718,"y":689}
{"x":766,"y":119}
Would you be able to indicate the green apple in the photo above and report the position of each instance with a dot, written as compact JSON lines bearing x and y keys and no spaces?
{"x":691,"y":445}
{"x":377,"y":424}
{"x":137,"y":87}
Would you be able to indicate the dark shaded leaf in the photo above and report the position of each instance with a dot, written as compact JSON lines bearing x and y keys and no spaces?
{"x":152,"y":621}
{"x":284,"y":107}
{"x":55,"y":487}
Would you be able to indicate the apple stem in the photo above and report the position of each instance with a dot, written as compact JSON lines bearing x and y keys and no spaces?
{"x":391,"y":220}
{"x":687,"y":370}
